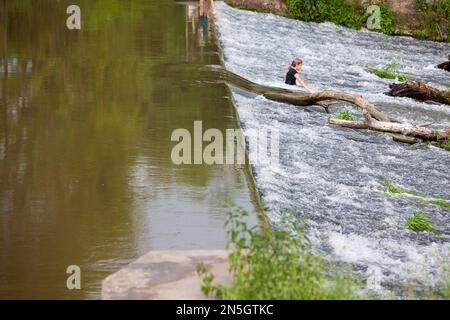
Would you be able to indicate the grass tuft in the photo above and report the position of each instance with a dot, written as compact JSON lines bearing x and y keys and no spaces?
{"x":419,"y":222}
{"x":392,"y":188}
{"x":390,"y":71}
{"x":345,"y":115}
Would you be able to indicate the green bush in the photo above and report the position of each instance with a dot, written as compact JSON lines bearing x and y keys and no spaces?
{"x":302,"y":9}
{"x":275,"y":263}
{"x":387,"y":19}
{"x":336,"y":11}
{"x":422,"y":33}
{"x":435,"y":22}
{"x":339,"y":12}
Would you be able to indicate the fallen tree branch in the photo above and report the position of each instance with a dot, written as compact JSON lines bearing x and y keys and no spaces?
{"x":302,"y":99}
{"x":406,"y":129}
{"x":400,"y":138}
{"x":426,"y":124}
{"x":349,"y":123}
{"x":444,"y":65}
{"x":374,"y":119}
{"x":419,"y":91}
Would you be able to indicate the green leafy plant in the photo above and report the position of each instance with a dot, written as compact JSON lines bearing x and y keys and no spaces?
{"x":339,"y":12}
{"x":275,"y":263}
{"x":387,"y":19}
{"x":344,"y":115}
{"x":422,"y":33}
{"x":390,"y":71}
{"x":419,"y":222}
{"x":302,"y":9}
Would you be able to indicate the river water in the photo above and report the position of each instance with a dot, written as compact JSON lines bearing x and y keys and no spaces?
{"x":333,"y":175}
{"x":86,"y":118}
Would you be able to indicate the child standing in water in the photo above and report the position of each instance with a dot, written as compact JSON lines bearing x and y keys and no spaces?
{"x":293,"y":75}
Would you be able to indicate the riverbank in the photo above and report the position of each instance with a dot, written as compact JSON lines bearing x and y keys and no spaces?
{"x":415,"y":18}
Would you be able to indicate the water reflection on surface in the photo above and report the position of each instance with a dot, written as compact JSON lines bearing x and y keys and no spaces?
{"x":85,"y":124}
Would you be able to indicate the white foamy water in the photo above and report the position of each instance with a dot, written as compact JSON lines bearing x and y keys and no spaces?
{"x":333,"y":175}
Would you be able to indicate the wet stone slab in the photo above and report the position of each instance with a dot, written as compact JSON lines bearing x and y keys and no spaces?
{"x":165,"y":275}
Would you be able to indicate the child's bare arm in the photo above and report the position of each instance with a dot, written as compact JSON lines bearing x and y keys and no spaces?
{"x":310,"y":90}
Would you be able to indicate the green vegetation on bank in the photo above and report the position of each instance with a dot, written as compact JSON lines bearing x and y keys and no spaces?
{"x":429,"y":21}
{"x":435,"y":19}
{"x":387,"y":19}
{"x":275,"y":263}
{"x":336,"y":11}
{"x":343,"y":13}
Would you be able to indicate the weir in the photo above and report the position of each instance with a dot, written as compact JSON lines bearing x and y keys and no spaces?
{"x":334,"y":176}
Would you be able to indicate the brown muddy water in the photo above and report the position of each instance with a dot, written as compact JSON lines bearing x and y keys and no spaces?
{"x":86,"y":116}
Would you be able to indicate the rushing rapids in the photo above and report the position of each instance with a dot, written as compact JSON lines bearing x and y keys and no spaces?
{"x":331,"y":175}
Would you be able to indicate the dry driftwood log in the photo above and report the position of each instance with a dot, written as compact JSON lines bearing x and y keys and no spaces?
{"x":373,"y":118}
{"x":407,"y":129}
{"x":419,"y":91}
{"x":445,"y":65}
